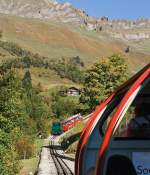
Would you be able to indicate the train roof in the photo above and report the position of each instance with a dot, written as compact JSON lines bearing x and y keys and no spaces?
{"x":71,"y":118}
{"x":124,"y":87}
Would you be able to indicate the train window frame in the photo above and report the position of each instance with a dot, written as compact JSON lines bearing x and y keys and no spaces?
{"x":108,"y":110}
{"x":124,"y":111}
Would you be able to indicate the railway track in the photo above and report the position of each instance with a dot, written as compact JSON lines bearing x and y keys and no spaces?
{"x":61,"y":167}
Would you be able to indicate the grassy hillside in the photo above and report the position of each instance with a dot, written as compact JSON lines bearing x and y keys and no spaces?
{"x":55,"y":40}
{"x":43,"y":74}
{"x":48,"y":79}
{"x":52,"y":39}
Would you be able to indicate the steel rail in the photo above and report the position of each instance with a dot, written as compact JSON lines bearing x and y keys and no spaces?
{"x":61,"y":167}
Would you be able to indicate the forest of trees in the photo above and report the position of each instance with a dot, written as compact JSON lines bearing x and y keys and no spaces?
{"x":22,"y":117}
{"x":98,"y":83}
{"x":71,"y":68}
{"x":25,"y":113}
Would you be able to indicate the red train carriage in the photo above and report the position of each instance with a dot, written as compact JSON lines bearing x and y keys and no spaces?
{"x":71,"y":122}
{"x":116,"y":139}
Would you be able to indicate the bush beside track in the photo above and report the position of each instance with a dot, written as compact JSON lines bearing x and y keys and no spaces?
{"x":70,"y":139}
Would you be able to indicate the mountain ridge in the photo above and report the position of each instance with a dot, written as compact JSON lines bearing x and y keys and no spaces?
{"x":65,"y":12}
{"x":42,"y":9}
{"x":60,"y":36}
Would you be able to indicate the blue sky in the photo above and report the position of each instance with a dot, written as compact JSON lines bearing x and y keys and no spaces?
{"x":122,"y":9}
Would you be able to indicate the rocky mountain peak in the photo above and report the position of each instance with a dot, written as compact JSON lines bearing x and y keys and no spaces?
{"x":43,"y":9}
{"x":66,"y":13}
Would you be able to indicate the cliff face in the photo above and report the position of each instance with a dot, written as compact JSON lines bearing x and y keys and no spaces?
{"x":127,"y":30}
{"x":66,"y":13}
{"x":43,"y":9}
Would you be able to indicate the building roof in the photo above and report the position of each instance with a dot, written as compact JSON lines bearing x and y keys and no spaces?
{"x":74,"y":88}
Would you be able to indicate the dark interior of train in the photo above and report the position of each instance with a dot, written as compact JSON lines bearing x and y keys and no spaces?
{"x":136,"y":122}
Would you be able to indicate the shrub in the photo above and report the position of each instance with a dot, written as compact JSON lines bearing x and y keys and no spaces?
{"x":25,"y":147}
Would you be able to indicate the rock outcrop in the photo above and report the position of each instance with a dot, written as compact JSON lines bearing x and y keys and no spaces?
{"x":66,"y":13}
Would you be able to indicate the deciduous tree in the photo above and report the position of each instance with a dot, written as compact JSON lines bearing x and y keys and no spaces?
{"x":102,"y":79}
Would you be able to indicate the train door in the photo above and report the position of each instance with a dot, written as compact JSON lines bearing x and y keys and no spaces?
{"x":89,"y":157}
{"x":85,"y":135}
{"x":92,"y":135}
{"x":125,"y":148}
{"x":88,"y":146}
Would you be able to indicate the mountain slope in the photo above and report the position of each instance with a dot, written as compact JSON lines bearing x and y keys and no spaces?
{"x":55,"y":40}
{"x":66,"y":13}
{"x":57,"y":30}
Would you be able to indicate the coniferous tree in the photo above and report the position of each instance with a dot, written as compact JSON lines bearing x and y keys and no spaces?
{"x":27,"y":83}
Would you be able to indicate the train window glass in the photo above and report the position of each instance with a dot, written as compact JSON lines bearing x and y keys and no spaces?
{"x":106,"y":123}
{"x":136,"y":121}
{"x":111,"y":108}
